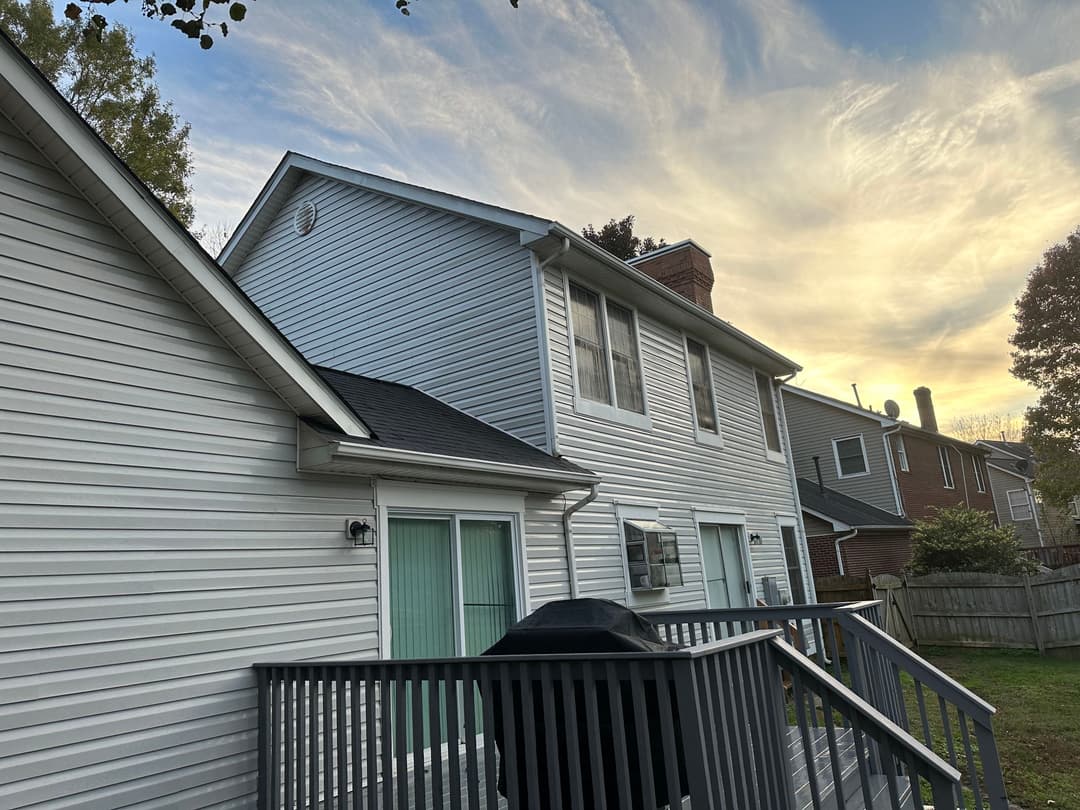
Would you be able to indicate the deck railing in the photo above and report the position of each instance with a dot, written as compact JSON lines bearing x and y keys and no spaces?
{"x":713,"y":724}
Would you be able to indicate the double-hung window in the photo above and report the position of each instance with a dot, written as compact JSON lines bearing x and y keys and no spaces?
{"x":946,"y":467}
{"x":769,"y":423}
{"x":850,"y":455}
{"x":703,"y":397}
{"x":977,"y":468}
{"x":1019,"y":504}
{"x":901,"y":454}
{"x":607,"y":367}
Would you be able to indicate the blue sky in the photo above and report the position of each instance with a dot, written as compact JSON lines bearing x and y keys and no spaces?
{"x":874,"y":179}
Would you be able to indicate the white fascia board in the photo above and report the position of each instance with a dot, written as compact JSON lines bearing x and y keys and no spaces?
{"x":58,"y":117}
{"x":838,"y":525}
{"x":347,"y":450}
{"x":884,"y":421}
{"x":261,"y":201}
{"x":1021,"y":476}
{"x":995,"y":449}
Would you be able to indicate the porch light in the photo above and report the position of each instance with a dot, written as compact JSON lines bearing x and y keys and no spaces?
{"x":361,"y":532}
{"x":755,"y":539}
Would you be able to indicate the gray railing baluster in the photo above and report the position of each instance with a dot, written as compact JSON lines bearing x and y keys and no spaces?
{"x":619,"y":733}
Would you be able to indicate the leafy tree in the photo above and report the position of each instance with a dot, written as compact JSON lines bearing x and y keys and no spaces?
{"x":1047,"y":341}
{"x":957,"y":538}
{"x":618,"y":239}
{"x":113,"y":88}
{"x":189,"y":17}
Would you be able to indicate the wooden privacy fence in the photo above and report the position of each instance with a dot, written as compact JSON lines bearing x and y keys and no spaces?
{"x":988,"y":610}
{"x":1055,"y":556}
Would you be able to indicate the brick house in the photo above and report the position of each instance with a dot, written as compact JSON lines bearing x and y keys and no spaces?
{"x":861,"y":470}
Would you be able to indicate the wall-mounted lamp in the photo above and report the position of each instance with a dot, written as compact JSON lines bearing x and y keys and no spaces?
{"x":360,"y":532}
{"x":755,"y":539}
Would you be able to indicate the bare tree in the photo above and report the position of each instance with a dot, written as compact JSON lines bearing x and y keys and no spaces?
{"x":990,"y":426}
{"x":214,"y":237}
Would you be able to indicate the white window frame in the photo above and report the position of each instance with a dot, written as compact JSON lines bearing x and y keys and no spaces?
{"x":901,"y":454}
{"x":776,"y":456}
{"x":946,"y":466}
{"x":980,"y":483}
{"x":1075,"y":507}
{"x":803,"y":552}
{"x":701,"y":435}
{"x":836,"y":456}
{"x":455,"y":504}
{"x":642,"y":511}
{"x":705,"y":517}
{"x":1012,"y":507}
{"x":600,"y":410}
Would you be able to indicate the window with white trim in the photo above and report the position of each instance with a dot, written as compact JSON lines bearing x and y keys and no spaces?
{"x":1075,"y":507}
{"x":703,"y":399}
{"x":946,"y":467}
{"x":850,"y":456}
{"x":901,"y":454}
{"x":767,"y":406}
{"x":977,"y":468}
{"x":1019,"y":504}
{"x":607,"y":368}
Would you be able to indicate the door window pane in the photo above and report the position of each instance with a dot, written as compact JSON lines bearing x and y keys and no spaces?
{"x":487,"y":582}
{"x":590,"y":355}
{"x":701,"y":382}
{"x":629,"y":394}
{"x":768,"y":412}
{"x":791,"y":556}
{"x":422,"y":614}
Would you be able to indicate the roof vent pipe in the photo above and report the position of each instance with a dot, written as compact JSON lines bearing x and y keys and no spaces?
{"x":820,"y":482}
{"x":926,"y":409}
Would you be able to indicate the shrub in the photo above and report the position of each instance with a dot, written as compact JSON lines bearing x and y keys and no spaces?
{"x":957,"y":538}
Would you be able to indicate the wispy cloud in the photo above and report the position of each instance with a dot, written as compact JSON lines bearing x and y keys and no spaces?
{"x":873,"y":218}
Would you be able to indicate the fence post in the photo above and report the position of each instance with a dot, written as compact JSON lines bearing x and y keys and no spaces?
{"x":1034,"y":613}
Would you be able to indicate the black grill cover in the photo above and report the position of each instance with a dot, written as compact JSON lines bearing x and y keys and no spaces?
{"x":584,"y":626}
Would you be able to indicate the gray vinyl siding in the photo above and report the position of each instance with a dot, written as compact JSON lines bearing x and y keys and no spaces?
{"x":813,"y":425}
{"x":665,"y":467}
{"x":545,"y":549}
{"x":155,"y":536}
{"x":1000,"y":484}
{"x":406,"y":293}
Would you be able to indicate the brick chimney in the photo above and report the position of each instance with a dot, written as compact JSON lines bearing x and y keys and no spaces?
{"x":684,"y":267}
{"x":926,"y":409}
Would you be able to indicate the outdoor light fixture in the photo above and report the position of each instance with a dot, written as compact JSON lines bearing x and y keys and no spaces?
{"x":755,"y":539}
{"x":360,"y":531}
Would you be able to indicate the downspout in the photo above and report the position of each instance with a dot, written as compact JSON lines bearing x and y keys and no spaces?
{"x":892,"y":469}
{"x":568,"y":534}
{"x":839,"y":556}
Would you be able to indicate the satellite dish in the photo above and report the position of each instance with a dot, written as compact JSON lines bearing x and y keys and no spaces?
{"x":892,"y":410}
{"x":1022,"y":465}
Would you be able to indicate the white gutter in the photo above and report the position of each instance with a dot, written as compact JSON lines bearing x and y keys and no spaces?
{"x":568,"y":534}
{"x":892,"y":470}
{"x":839,"y":556}
{"x":370,"y":453}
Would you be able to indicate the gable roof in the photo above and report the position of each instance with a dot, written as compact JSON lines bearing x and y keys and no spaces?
{"x":541,"y":234}
{"x":404,"y":418}
{"x":845,"y":512}
{"x":49,"y":122}
{"x":1017,"y":450}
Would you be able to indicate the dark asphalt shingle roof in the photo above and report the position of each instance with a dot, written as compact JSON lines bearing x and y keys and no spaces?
{"x":403,"y":418}
{"x":1013,"y":448}
{"x":845,"y":509}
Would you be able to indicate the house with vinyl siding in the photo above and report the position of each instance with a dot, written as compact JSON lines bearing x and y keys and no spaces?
{"x":520,"y":322}
{"x":862,"y":470}
{"x":182,"y":494}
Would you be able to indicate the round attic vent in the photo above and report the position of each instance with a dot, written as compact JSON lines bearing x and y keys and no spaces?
{"x":304,"y":220}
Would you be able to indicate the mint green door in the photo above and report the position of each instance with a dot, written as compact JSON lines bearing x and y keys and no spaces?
{"x":423,"y":618}
{"x":488,"y":592}
{"x":725,"y":578}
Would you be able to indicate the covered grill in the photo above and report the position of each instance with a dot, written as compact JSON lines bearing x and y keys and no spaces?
{"x":584,"y":626}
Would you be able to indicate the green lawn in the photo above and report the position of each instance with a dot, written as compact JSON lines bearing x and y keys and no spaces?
{"x":1038,"y":721}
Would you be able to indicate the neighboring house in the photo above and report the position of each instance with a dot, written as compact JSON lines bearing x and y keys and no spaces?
{"x":892,"y":466}
{"x":521,"y":322}
{"x":179,"y":487}
{"x":1012,"y":475}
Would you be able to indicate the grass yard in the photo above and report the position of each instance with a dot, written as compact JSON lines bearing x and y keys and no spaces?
{"x":1038,"y":721}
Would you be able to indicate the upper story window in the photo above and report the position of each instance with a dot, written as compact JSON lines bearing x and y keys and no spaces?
{"x":607,"y":368}
{"x":977,"y":468}
{"x":767,"y":404}
{"x":850,"y":456}
{"x":946,"y":467}
{"x":901,"y":454}
{"x":1019,"y":504}
{"x":1075,"y":507}
{"x":703,"y":397}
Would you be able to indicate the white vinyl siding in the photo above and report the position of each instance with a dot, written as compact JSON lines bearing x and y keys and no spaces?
{"x":946,"y":467}
{"x":155,"y":536}
{"x":402,"y":292}
{"x":1019,"y":504}
{"x":664,"y":469}
{"x":849,"y":454}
